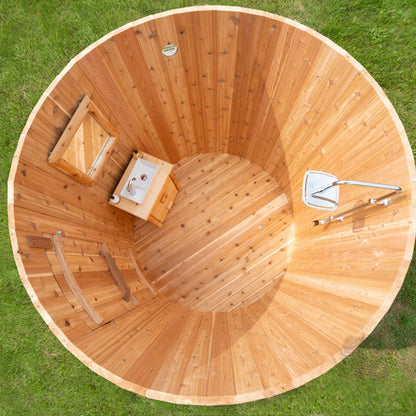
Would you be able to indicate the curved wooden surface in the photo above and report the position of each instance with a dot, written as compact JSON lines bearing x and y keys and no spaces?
{"x":245,"y":86}
{"x":227,"y":239}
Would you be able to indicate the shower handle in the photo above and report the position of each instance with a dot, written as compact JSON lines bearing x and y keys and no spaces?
{"x":360,"y":183}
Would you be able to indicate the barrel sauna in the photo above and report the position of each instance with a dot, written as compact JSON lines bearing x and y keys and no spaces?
{"x":244,"y":292}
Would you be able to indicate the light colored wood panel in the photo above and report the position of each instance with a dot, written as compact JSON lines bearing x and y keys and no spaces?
{"x":147,"y":365}
{"x":36,"y":201}
{"x":60,"y":310}
{"x":363,"y":289}
{"x":49,"y":123}
{"x":226,"y":46}
{"x":220,"y":371}
{"x":365,"y":260}
{"x":84,"y":256}
{"x":87,"y":247}
{"x":177,"y":83}
{"x":334,"y":328}
{"x":52,"y":182}
{"x":114,"y":70}
{"x":98,"y":74}
{"x":235,"y":235}
{"x":119,"y":344}
{"x":310,"y":339}
{"x":246,"y":373}
{"x":70,"y":129}
{"x":304,"y":125}
{"x":35,"y":262}
{"x":199,"y":55}
{"x":91,"y":263}
{"x":171,"y":374}
{"x":101,"y":292}
{"x":195,"y":378}
{"x":353,"y":311}
{"x":192,"y":47}
{"x":275,"y":376}
{"x":298,"y":355}
{"x":199,"y":200}
{"x":72,"y":87}
{"x":140,"y":273}
{"x":252,"y":71}
{"x":361,"y":233}
{"x":131,"y":54}
{"x":236,"y":270}
{"x":219,"y":203}
{"x":29,"y":221}
{"x":169,"y":75}
{"x":72,"y":283}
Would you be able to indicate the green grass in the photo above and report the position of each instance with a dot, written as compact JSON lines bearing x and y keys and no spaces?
{"x":37,"y":375}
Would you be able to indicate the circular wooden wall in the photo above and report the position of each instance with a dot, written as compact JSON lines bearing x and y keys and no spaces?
{"x":244,"y":85}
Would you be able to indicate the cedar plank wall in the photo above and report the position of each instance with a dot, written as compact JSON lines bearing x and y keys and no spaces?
{"x":259,"y":87}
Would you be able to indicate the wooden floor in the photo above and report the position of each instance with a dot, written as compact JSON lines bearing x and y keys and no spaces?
{"x":227,"y":239}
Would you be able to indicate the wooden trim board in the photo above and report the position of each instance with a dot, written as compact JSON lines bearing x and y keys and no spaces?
{"x":117,"y":275}
{"x":140,"y":273}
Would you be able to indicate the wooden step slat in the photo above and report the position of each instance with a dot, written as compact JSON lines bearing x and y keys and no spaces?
{"x":117,"y":275}
{"x":72,"y":283}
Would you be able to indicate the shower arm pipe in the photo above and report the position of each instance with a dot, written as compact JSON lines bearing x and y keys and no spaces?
{"x":360,"y":183}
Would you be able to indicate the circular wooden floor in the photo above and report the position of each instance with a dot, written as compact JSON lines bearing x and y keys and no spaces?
{"x":227,"y":239}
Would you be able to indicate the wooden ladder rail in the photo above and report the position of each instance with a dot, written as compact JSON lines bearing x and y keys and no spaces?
{"x":140,"y":273}
{"x":72,"y":283}
{"x":117,"y":275}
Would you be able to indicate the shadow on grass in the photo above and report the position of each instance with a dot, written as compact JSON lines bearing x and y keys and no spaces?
{"x":398,"y":328}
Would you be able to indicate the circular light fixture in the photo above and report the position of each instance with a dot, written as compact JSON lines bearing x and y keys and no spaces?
{"x":169,"y":50}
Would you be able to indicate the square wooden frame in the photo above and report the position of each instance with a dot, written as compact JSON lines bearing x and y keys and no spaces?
{"x":86,"y":106}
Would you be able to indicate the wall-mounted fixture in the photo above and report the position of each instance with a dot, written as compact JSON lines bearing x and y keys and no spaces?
{"x":169,"y":50}
{"x":384,"y":201}
{"x":320,"y":189}
{"x":85,"y":144}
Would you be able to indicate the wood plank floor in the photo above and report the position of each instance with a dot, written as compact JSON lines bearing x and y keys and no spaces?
{"x":227,"y":239}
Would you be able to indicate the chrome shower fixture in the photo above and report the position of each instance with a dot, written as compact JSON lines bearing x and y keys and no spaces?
{"x":321,"y":189}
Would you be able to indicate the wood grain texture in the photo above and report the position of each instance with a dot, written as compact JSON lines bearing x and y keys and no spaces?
{"x":235,"y":232}
{"x":239,"y":296}
{"x":139,"y":272}
{"x":117,"y":275}
{"x":85,"y":143}
{"x":39,"y":242}
{"x":159,"y":196}
{"x":72,"y":283}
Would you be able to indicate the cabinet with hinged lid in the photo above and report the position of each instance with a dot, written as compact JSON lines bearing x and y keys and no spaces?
{"x":147,"y":188}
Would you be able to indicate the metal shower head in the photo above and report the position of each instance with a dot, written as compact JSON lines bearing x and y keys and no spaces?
{"x":321,"y":189}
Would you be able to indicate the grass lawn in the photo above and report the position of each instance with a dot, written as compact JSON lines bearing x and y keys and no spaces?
{"x":38,"y":376}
